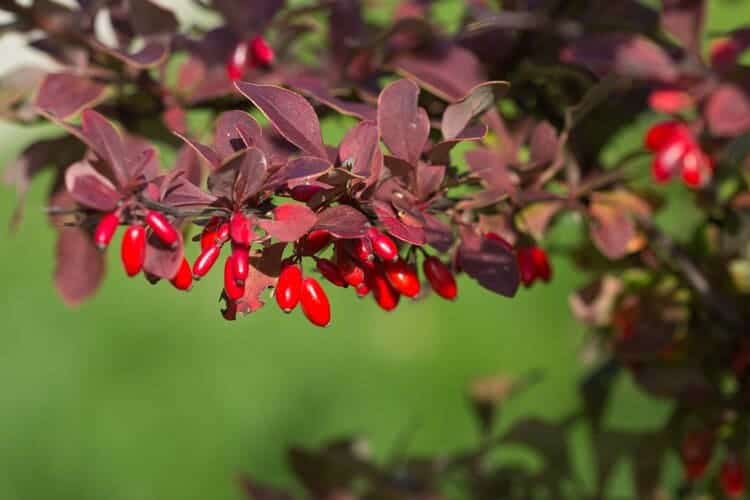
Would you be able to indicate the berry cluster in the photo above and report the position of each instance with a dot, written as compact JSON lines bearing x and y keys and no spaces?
{"x":697,"y":450}
{"x":677,"y":152}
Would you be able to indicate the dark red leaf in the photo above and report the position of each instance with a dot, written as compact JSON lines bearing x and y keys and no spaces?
{"x":234,"y":131}
{"x":152,"y":54}
{"x":438,"y":234}
{"x":241,"y":176}
{"x":492,"y":168}
{"x":632,"y":56}
{"x":107,"y":142}
{"x":479,"y":99}
{"x":360,"y":151}
{"x":611,"y":230}
{"x":429,"y":180}
{"x":489,"y":262}
{"x":149,"y":18}
{"x":189,"y":164}
{"x":80,"y":265}
{"x":543,"y":145}
{"x":63,"y":95}
{"x":440,"y":152}
{"x":728,"y":110}
{"x":343,"y":221}
{"x":205,"y":152}
{"x":90,"y":188}
{"x":163,"y":260}
{"x":315,"y":88}
{"x":301,"y":170}
{"x":398,"y":229}
{"x":291,"y":115}
{"x":403,"y":125}
{"x":684,"y":19}
{"x":264,"y":273}
{"x":290,"y":222}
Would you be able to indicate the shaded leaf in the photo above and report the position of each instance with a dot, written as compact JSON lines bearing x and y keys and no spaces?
{"x":205,"y":152}
{"x":301,"y":170}
{"x":611,"y":230}
{"x":291,"y":115}
{"x":343,"y":221}
{"x":79,"y":267}
{"x":728,"y":110}
{"x":257,"y":491}
{"x":398,"y":229}
{"x":107,"y":142}
{"x":403,"y":125}
{"x":150,"y":55}
{"x":632,"y":56}
{"x":481,"y":98}
{"x":315,"y":88}
{"x":438,"y":234}
{"x":536,"y":217}
{"x":264,"y":273}
{"x":90,"y":188}
{"x":440,"y":152}
{"x":234,"y":131}
{"x":684,"y":20}
{"x":149,"y":18}
{"x":360,"y":151}
{"x":429,"y":180}
{"x":63,"y":95}
{"x":241,"y":176}
{"x":489,"y":262}
{"x":162,"y":260}
{"x":543,"y":144}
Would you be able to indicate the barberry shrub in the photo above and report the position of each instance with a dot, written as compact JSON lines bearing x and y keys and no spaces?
{"x":469,"y":146}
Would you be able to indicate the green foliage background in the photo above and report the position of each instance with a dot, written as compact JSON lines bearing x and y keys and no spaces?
{"x":146,"y":393}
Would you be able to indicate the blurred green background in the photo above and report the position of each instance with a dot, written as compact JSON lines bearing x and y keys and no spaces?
{"x":146,"y":393}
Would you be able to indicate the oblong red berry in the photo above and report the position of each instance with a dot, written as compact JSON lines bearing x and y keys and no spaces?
{"x":385,"y":295}
{"x":361,"y":249}
{"x":362,"y":289}
{"x":526,"y":266}
{"x":382,"y":245}
{"x":162,"y":228}
{"x":315,"y":303}
{"x":289,"y":287}
{"x":105,"y":230}
{"x":542,"y":267}
{"x":330,"y":271}
{"x":232,"y":290}
{"x":205,"y":261}
{"x":183,"y":280}
{"x":697,"y":168}
{"x":695,"y":452}
{"x":261,"y":52}
{"x":315,"y":241}
{"x":732,"y":477}
{"x":238,"y":62}
{"x":663,"y":134}
{"x":353,"y":274}
{"x":241,"y":262}
{"x":304,"y":192}
{"x":133,"y":249}
{"x":668,"y":160}
{"x":403,"y":278}
{"x":440,"y":277}
{"x":209,"y":233}
{"x":239,"y":229}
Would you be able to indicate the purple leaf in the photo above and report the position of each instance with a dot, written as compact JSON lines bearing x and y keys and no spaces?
{"x":440,"y":152}
{"x":404,"y":232}
{"x":611,"y":230}
{"x":241,"y":176}
{"x":536,"y":217}
{"x":429,"y":180}
{"x":481,"y":98}
{"x":627,"y":55}
{"x":107,"y":142}
{"x":235,"y":130}
{"x":343,"y":221}
{"x":314,"y":88}
{"x":403,"y":125}
{"x":79,"y":267}
{"x":291,"y":115}
{"x":179,"y":191}
{"x":301,"y":170}
{"x":489,"y":262}
{"x":684,"y":19}
{"x":360,"y":150}
{"x":438,"y":234}
{"x":728,"y":110}
{"x":63,"y":95}
{"x":152,"y":54}
{"x":449,"y":73}
{"x":188,"y":163}
{"x":290,"y":222}
{"x":248,"y":16}
{"x":149,"y":18}
{"x":205,"y":152}
{"x":492,"y":168}
{"x":162,"y":260}
{"x":90,"y":188}
{"x":543,"y":144}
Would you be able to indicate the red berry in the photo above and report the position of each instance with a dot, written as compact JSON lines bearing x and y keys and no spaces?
{"x":663,"y":134}
{"x":261,"y":53}
{"x":542,"y":267}
{"x":304,"y":192}
{"x":330,"y":271}
{"x":183,"y":280}
{"x":526,"y":266}
{"x":162,"y":228}
{"x":403,"y":278}
{"x":697,"y":168}
{"x":385,"y":296}
{"x":669,"y":100}
{"x":315,"y":303}
{"x":105,"y":230}
{"x":222,"y":234}
{"x":289,"y":287}
{"x":668,"y":160}
{"x":237,"y":62}
{"x":732,"y":477}
{"x":315,"y":241}
{"x":241,"y":262}
{"x":209,"y":233}
{"x":696,"y":451}
{"x":353,"y":274}
{"x":499,"y":239}
{"x":134,"y":249}
{"x":361,"y":249}
{"x":382,"y":245}
{"x":233,"y":290}
{"x":239,"y":229}
{"x":205,"y":261}
{"x":440,"y":277}
{"x":362,"y":289}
